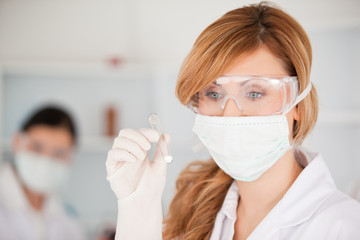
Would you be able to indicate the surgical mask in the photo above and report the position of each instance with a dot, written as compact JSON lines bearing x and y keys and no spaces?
{"x":246,"y":147}
{"x":40,"y":173}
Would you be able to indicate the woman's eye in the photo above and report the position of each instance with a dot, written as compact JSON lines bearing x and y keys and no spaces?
{"x":254,"y":95}
{"x":214,"y":95}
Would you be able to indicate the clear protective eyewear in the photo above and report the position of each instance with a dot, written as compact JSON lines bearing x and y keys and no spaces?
{"x":253,"y":95}
{"x":39,"y":147}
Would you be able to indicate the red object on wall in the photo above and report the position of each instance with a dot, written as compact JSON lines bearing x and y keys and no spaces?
{"x":115,"y":62}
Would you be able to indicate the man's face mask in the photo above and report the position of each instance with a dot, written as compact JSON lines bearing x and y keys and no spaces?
{"x":40,"y":173}
{"x":43,"y":166}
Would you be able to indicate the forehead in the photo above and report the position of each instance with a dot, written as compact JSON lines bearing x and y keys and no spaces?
{"x":259,"y":62}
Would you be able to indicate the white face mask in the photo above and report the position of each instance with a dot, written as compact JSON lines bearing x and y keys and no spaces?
{"x":40,"y":173}
{"x":244,"y":147}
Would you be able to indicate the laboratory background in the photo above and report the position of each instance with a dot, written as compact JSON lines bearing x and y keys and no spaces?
{"x":112,"y":63}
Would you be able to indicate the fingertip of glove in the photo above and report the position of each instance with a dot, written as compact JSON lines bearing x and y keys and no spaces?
{"x":151,"y":134}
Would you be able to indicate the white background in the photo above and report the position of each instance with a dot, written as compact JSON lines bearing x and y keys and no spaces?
{"x":58,"y":52}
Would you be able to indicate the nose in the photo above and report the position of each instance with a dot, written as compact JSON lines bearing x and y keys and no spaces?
{"x":231,"y":108}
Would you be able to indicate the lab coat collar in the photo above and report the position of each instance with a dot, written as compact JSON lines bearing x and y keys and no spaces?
{"x":13,"y":198}
{"x":311,"y":188}
{"x":231,"y":202}
{"x":11,"y":195}
{"x":309,"y":191}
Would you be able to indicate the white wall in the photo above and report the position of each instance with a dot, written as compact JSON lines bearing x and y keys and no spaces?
{"x":57,"y":51}
{"x":137,"y":30}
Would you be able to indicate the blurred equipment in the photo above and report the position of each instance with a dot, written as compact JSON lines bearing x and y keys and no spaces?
{"x":107,"y":234}
{"x":111,"y":118}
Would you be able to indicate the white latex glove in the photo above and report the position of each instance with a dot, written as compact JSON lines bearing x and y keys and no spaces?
{"x":138,"y":183}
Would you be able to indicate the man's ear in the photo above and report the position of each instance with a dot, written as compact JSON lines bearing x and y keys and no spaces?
{"x":16,"y":142}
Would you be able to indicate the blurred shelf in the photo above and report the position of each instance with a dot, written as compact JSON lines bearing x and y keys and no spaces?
{"x":80,"y":69}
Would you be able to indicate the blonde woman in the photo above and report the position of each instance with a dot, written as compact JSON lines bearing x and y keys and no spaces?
{"x":247,"y":78}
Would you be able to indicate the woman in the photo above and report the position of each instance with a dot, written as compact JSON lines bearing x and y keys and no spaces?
{"x":248,"y":80}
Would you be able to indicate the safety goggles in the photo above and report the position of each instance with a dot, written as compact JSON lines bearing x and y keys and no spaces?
{"x":253,"y":95}
{"x":59,"y":153}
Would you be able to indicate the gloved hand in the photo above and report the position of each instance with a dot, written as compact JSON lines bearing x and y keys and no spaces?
{"x":138,"y":183}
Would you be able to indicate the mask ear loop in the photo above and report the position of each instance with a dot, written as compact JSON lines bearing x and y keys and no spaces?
{"x":300,"y":97}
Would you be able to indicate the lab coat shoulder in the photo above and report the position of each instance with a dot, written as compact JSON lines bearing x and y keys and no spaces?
{"x":11,"y":220}
{"x":315,"y":209}
{"x":312,"y":209}
{"x":17,"y":225}
{"x":338,"y":218}
{"x":16,"y":217}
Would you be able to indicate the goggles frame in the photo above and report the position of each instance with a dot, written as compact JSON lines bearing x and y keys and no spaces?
{"x":26,"y":143}
{"x":289,"y":98}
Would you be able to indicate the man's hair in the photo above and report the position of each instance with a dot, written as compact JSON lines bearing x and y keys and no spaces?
{"x":51,"y":116}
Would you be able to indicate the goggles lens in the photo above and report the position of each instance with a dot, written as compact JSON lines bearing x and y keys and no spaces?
{"x":253,"y":95}
{"x":37,"y":146}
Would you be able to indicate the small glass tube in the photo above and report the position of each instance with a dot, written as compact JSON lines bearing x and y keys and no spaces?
{"x":155,"y":124}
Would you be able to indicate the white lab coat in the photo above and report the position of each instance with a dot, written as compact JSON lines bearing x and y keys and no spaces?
{"x":312,"y":209}
{"x":18,"y":221}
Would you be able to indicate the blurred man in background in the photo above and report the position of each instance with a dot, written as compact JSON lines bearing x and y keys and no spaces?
{"x":29,"y":185}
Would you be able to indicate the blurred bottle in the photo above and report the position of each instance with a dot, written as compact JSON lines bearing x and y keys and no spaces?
{"x":111,"y":117}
